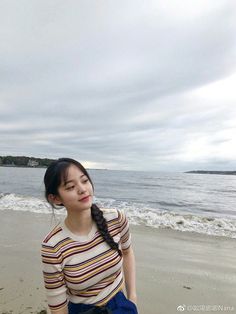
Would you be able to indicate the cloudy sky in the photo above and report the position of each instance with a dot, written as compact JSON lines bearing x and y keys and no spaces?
{"x":133,"y":85}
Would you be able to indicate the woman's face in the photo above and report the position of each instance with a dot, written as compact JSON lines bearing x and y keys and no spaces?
{"x":76,"y":193}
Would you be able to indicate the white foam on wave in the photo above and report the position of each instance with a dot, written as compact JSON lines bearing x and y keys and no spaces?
{"x":24,"y":203}
{"x":215,"y":226}
{"x":187,"y":222}
{"x":137,"y":215}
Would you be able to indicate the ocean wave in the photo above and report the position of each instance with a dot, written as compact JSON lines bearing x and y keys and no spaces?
{"x":215,"y":226}
{"x":137,"y":214}
{"x":16,"y":202}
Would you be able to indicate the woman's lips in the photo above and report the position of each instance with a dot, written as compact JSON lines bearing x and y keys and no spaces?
{"x":85,"y":199}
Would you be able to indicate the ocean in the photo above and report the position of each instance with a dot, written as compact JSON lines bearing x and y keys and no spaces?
{"x":202,"y":203}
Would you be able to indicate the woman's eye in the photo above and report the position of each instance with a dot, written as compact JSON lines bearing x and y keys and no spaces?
{"x":70,"y":187}
{"x":85,"y":181}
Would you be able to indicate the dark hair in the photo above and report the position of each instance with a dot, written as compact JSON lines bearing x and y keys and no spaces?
{"x":58,"y":171}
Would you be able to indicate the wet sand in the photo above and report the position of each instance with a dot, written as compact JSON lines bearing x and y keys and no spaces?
{"x":174,"y":269}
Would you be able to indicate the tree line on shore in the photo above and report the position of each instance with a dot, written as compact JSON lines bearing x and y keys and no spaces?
{"x":24,"y":161}
{"x":212,"y":172}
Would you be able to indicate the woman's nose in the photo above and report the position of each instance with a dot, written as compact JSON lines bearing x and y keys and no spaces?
{"x":81,"y":189}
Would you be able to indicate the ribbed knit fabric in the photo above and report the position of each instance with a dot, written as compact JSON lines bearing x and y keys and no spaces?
{"x":84,"y":269}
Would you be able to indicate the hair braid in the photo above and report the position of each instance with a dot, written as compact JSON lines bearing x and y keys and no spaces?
{"x":97,"y":216}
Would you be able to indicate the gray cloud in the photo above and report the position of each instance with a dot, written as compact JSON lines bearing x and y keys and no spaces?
{"x":116,"y":84}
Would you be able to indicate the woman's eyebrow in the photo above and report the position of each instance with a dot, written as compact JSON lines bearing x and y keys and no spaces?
{"x":69,"y":181}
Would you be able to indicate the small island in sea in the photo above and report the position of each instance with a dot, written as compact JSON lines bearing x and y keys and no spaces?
{"x":212,"y":172}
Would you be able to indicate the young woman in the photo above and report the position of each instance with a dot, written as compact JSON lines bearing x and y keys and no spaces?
{"x":87,"y":259}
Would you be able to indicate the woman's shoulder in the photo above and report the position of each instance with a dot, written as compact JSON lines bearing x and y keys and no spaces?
{"x":52,"y":236}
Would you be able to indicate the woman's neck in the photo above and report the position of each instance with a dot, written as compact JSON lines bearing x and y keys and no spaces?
{"x":79,"y":223}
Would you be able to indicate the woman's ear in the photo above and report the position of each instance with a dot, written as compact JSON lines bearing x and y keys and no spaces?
{"x":54,"y":199}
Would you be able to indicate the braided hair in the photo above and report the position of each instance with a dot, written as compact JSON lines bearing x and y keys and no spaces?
{"x":101,"y":223}
{"x":55,"y":173}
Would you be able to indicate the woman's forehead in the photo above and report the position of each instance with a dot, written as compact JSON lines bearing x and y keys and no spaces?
{"x":74,"y":172}
{"x":71,"y":173}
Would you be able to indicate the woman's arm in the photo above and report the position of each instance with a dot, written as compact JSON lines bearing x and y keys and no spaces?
{"x":130,"y":273}
{"x":54,"y":281}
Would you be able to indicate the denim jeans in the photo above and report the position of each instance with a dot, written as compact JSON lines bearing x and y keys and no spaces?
{"x":119,"y":304}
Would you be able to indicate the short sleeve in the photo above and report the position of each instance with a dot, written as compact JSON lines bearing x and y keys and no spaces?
{"x":54,"y":282}
{"x":124,"y":230}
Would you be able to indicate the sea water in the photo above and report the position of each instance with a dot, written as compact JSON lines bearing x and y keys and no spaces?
{"x":203,"y":203}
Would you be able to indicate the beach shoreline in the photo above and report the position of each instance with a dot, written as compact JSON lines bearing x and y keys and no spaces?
{"x":174,"y":269}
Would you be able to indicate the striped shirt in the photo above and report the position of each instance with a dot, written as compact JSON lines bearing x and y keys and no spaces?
{"x":84,"y":269}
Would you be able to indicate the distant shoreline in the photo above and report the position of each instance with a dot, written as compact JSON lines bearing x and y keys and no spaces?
{"x":28,"y":162}
{"x":42,"y":167}
{"x":24,"y":161}
{"x":192,"y":171}
{"x":212,"y":172}
{"x":22,"y":166}
{"x":35,"y":162}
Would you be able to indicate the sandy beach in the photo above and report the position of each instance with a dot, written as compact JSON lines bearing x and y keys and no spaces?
{"x":188,"y":271}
